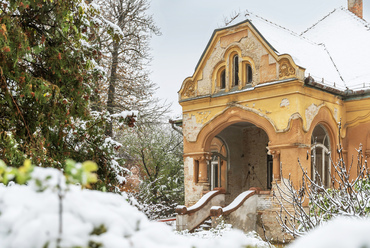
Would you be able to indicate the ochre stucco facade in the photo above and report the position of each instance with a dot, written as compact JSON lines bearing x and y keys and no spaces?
{"x":243,"y":131}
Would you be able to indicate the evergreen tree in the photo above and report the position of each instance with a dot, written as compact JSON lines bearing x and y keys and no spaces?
{"x":47,"y":75}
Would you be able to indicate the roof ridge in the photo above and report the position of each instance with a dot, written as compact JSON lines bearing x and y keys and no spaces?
{"x":311,"y":27}
{"x":281,"y":27}
{"x":268,"y":21}
{"x":361,"y":20}
{"x":334,"y":64}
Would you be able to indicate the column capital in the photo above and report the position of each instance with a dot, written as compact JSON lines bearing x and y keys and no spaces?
{"x":199,"y":155}
{"x":274,"y":152}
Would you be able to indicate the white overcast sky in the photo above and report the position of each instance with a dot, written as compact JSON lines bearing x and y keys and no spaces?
{"x":187,"y":26}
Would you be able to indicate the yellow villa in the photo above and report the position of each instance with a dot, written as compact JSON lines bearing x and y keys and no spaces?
{"x":260,"y":98}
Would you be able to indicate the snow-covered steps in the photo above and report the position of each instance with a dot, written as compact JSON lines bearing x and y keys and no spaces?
{"x":190,"y":218}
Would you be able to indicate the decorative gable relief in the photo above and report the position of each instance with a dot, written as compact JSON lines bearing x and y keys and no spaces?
{"x":189,"y":90}
{"x":286,"y":69}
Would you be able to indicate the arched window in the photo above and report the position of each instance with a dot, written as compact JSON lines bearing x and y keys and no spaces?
{"x":249,"y":73}
{"x":218,"y":165}
{"x":223,"y":79}
{"x":320,"y":156}
{"x":235,"y":70}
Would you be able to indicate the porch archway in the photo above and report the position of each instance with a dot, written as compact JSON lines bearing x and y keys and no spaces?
{"x":248,"y":164}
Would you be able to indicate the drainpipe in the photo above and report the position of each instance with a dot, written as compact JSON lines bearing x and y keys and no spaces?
{"x":174,"y":127}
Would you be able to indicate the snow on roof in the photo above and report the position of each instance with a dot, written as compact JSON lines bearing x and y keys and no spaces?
{"x":347,"y":38}
{"x":334,"y":49}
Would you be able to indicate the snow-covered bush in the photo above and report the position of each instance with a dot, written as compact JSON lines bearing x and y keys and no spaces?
{"x":157,"y":153}
{"x":47,"y":212}
{"x":153,"y":210}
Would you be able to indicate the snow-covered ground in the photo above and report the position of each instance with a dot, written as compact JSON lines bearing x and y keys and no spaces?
{"x":29,"y":217}
{"x":342,"y":232}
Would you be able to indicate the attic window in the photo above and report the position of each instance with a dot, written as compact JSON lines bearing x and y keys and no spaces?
{"x":235,"y":70}
{"x":223,"y":79}
{"x":249,"y":74}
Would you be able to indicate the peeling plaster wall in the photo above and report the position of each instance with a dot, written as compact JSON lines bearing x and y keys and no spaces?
{"x":310,"y":113}
{"x":253,"y":49}
{"x":205,"y":84}
{"x":193,"y":192}
{"x":191,"y":127}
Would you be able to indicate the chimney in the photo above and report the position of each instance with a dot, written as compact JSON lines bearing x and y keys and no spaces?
{"x":355,"y":6}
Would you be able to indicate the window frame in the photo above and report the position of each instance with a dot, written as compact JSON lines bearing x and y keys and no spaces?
{"x":248,"y":73}
{"x":222,"y":79}
{"x":235,"y":70}
{"x":324,"y":148}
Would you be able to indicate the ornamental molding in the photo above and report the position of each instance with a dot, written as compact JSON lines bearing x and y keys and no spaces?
{"x":189,"y":90}
{"x":286,"y":69}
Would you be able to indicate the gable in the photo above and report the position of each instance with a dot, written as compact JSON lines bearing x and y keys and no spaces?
{"x":239,"y":46}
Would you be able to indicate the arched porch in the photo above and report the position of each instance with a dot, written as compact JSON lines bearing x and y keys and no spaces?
{"x":231,"y":152}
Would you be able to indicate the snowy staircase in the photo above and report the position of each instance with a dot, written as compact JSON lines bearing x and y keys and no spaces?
{"x":204,"y":226}
{"x":193,"y":217}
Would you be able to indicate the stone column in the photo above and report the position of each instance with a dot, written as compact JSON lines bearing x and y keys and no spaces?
{"x":203,"y":173}
{"x":276,"y":165}
{"x":203,"y":176}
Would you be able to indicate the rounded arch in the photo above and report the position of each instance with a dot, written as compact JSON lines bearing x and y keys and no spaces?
{"x":217,"y":76}
{"x":231,"y":50}
{"x":235,"y":70}
{"x":248,"y":74}
{"x":323,"y":150}
{"x":219,"y":163}
{"x":220,"y":146}
{"x":320,"y":156}
{"x":231,"y":116}
{"x":325,"y":118}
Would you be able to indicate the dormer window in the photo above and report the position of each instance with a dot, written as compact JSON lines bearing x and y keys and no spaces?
{"x":223,"y":79}
{"x":235,"y":70}
{"x":249,"y":73}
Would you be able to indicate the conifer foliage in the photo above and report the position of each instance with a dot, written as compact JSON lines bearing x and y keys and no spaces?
{"x":47,"y":59}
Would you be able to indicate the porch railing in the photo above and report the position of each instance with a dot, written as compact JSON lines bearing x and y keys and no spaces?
{"x":190,"y":218}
